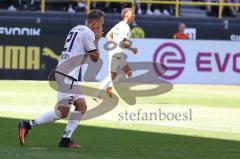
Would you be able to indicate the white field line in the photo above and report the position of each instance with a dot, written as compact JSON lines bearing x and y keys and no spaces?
{"x":203,"y":121}
{"x":189,"y":127}
{"x":17,"y":111}
{"x":36,"y":148}
{"x":228,"y":92}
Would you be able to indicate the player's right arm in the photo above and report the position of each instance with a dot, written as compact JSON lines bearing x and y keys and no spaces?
{"x":94,"y":55}
{"x":109,"y":36}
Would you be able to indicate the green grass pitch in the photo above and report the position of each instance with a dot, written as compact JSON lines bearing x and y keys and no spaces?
{"x":213,"y":133}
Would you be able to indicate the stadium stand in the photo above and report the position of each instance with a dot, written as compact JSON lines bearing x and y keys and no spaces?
{"x":197,"y":9}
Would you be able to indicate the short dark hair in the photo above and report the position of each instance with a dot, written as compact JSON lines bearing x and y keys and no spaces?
{"x":95,"y":14}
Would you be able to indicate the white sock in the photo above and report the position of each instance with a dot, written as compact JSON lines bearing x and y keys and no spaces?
{"x":107,"y":82}
{"x":110,"y":84}
{"x":73,"y":121}
{"x":116,"y":80}
{"x":47,"y":117}
{"x":104,"y":84}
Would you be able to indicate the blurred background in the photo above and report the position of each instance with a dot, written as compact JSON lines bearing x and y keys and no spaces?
{"x":45,"y":24}
{"x":198,"y":40}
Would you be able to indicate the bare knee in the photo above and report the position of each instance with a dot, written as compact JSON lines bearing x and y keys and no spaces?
{"x":64,"y":114}
{"x":127,"y":70}
{"x":80,"y":105}
{"x":129,"y":73}
{"x":113,"y":75}
{"x":82,"y":108}
{"x":62,"y":111}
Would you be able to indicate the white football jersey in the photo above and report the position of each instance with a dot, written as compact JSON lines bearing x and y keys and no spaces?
{"x":120,"y":31}
{"x":80,"y":40}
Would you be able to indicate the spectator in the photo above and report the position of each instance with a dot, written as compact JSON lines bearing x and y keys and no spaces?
{"x":23,"y":5}
{"x":237,"y":8}
{"x":160,"y":9}
{"x":156,"y":9}
{"x":80,"y":6}
{"x":209,"y":9}
{"x":70,"y":8}
{"x":180,"y":34}
{"x":227,"y":11}
{"x":109,"y":7}
{"x":26,"y":4}
{"x":230,"y":11}
{"x":149,"y":9}
{"x":139,"y":8}
{"x":12,"y":7}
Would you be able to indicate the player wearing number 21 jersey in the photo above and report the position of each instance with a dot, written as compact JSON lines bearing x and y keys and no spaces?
{"x":80,"y":44}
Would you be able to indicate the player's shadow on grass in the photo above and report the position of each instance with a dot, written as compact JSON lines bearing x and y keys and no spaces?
{"x":99,"y":142}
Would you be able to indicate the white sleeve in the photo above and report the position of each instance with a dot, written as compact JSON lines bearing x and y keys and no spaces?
{"x":89,"y":42}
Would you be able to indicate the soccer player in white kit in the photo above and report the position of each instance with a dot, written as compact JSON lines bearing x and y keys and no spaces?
{"x":82,"y":41}
{"x":119,"y":35}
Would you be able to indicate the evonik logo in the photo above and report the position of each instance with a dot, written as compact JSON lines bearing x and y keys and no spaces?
{"x":20,"y":31}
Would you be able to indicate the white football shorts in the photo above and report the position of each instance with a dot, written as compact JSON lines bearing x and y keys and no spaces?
{"x":68,"y":90}
{"x":117,"y":63}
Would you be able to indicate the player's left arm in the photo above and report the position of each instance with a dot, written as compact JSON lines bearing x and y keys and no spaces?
{"x":125,"y":43}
